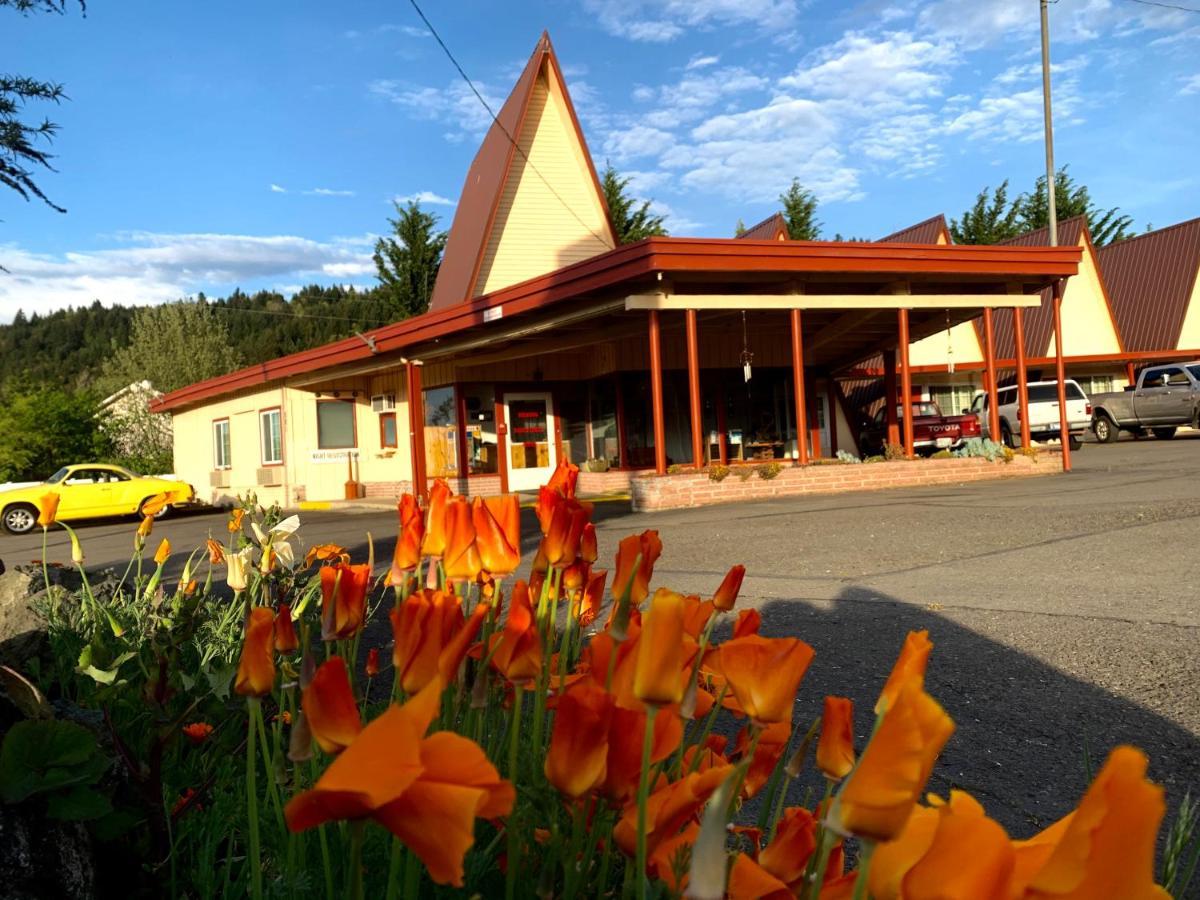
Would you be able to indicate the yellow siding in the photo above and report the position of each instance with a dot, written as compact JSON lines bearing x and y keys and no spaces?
{"x":1086,"y":323}
{"x":1189,"y":336}
{"x":536,"y":231}
{"x":931,"y":351}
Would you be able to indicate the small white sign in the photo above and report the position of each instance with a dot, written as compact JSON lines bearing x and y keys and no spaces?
{"x":494,"y":313}
{"x":321,"y":457}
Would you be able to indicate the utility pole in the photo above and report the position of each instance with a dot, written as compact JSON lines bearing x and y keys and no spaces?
{"x":1050,"y":184}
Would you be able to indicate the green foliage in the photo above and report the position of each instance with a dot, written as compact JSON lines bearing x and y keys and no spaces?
{"x":847,"y":457}
{"x":58,"y":759}
{"x":64,"y":348}
{"x":984,"y":449}
{"x":893,"y":451}
{"x":991,"y":220}
{"x":767,"y":471}
{"x":1182,"y":851}
{"x":43,"y":428}
{"x":631,"y":221}
{"x":800,"y":210}
{"x":717,"y":472}
{"x":407,"y":263}
{"x":1106,"y":225}
{"x":739,"y":229}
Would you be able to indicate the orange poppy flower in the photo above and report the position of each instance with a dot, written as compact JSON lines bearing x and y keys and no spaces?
{"x":455,"y":650}
{"x":197,"y":732}
{"x":574,"y":577}
{"x":893,"y":859}
{"x":835,"y":749}
{"x":750,"y":881}
{"x":911,"y":662}
{"x":561,"y":543}
{"x":234,"y":525}
{"x":668,"y":862}
{"x":185,"y":802}
{"x":588,"y":549}
{"x":727,"y":593}
{"x":427,"y":791}
{"x":764,"y":673}
{"x":146,"y":526}
{"x":772,"y":743}
{"x":343,"y":599}
{"x":548,"y":500}
{"x":876,"y":800}
{"x":593,"y":598}
{"x":163,"y":552}
{"x":422,"y":625}
{"x":407,"y":555}
{"x":1105,"y":848}
{"x":623,"y":763}
{"x":645,"y":548}
{"x":576,"y":760}
{"x":433,"y":542}
{"x":372,"y":667}
{"x":285,"y":630}
{"x":565,"y":476}
{"x":47,"y":505}
{"x":748,"y":622}
{"x":461,"y":557}
{"x":786,"y":857}
{"x":657,"y":677}
{"x":256,"y":668}
{"x":517,"y":650}
{"x":497,"y":523}
{"x":668,"y":808}
{"x":696,"y":613}
{"x":216,"y":553}
{"x":329,"y":707}
{"x":326,"y":553}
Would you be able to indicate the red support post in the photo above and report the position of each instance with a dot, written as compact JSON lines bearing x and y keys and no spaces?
{"x":1022,"y":378}
{"x":890,"y":397}
{"x":989,"y":358}
{"x":722,"y":427}
{"x":693,"y":354}
{"x":1130,"y":375}
{"x":798,"y":389}
{"x":906,"y":385}
{"x":814,"y":422}
{"x":416,"y":428}
{"x":622,"y":442}
{"x":460,"y":416}
{"x":1060,"y":366}
{"x":656,"y":394}
{"x":501,"y":442}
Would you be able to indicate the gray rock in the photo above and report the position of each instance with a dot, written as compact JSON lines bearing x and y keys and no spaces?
{"x":22,"y":630}
{"x":41,"y":858}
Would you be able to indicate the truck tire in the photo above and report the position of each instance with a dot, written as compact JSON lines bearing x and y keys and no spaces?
{"x":1165,"y":433}
{"x":1105,"y":429}
{"x":1074,"y":443}
{"x":1006,"y":436}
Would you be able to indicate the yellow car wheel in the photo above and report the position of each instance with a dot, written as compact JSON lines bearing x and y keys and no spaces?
{"x":20,"y":518}
{"x":161,"y":514}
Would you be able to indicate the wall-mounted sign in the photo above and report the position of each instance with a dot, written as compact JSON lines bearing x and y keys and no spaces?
{"x":491,"y":315}
{"x":320,"y":457}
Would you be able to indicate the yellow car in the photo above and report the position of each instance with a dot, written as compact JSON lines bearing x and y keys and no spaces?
{"x":87,"y":492}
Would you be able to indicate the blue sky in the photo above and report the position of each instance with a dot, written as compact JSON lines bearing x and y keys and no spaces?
{"x":216,"y":145}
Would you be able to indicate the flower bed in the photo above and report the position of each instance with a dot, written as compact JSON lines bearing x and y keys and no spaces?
{"x":689,"y":488}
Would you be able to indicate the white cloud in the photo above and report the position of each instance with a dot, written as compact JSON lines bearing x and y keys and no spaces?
{"x":677,"y":223}
{"x":429,"y":198}
{"x":149,"y":268}
{"x":695,"y":94}
{"x":873,"y":69}
{"x":454,"y":104}
{"x":660,"y":21}
{"x":1191,"y":85}
{"x":329,"y":192}
{"x":700,"y":62}
{"x":276,"y":189}
{"x":409,"y":30}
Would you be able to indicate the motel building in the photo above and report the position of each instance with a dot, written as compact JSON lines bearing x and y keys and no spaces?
{"x":546,"y":340}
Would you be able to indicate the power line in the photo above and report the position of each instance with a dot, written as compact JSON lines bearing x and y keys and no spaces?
{"x":294,"y":315}
{"x":1190,"y":9}
{"x":516,"y":146}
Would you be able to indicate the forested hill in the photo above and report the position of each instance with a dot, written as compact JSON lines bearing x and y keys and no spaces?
{"x":68,"y":348}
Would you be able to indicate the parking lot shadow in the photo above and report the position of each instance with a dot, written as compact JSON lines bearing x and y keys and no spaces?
{"x":1025,"y":730}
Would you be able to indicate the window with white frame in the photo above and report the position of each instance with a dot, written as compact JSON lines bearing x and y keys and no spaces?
{"x":222,"y":453}
{"x":271,"y":433}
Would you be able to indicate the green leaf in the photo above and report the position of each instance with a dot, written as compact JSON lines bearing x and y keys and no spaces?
{"x":44,"y":755}
{"x":79,"y":804}
{"x":115,"y":824}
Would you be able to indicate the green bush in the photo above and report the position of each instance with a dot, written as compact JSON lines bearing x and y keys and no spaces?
{"x":767,"y":471}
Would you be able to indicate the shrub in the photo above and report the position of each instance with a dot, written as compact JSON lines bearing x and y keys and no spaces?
{"x":875,"y":459}
{"x":675,"y":468}
{"x":942,"y":454}
{"x":718,"y":472}
{"x":845,"y":457}
{"x":767,"y":471}
{"x":597,"y":465}
{"x":893,"y":451}
{"x":984,"y":449}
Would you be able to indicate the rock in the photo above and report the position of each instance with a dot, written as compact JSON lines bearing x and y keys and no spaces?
{"x":22,"y":630}
{"x":42,"y":858}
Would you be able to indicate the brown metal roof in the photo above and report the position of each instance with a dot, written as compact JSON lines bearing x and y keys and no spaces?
{"x":1150,"y":281}
{"x":480,"y":196}
{"x":926,"y":232}
{"x":772,"y":228}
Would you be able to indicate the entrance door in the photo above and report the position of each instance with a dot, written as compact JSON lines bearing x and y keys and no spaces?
{"x":531,"y":451}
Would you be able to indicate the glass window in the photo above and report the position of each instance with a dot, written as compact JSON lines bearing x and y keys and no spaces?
{"x":1177,"y":376}
{"x":441,"y":433}
{"x":605,"y":440}
{"x":271,"y":434}
{"x":222,"y":453}
{"x":387,"y":430}
{"x":335,"y":425}
{"x":479,"y":403}
{"x":1195,"y":370}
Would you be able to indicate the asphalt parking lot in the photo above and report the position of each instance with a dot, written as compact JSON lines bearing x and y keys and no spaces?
{"x":1065,"y":611}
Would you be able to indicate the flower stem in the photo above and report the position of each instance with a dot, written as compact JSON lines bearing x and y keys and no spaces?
{"x":324,"y":841}
{"x":825,"y":843}
{"x":514,"y":745}
{"x":393,"y":882}
{"x":708,"y":726}
{"x":254,"y":860}
{"x":643,"y":794}
{"x":864,"y":867}
{"x":354,"y":878}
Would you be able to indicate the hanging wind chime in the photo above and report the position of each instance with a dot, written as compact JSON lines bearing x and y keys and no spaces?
{"x":747,"y":356}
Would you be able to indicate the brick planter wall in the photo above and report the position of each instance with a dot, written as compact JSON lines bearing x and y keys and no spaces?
{"x":387,"y":489}
{"x":603,"y":482}
{"x":651,"y":492}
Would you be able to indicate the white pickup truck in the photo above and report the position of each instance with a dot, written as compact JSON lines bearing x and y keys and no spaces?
{"x":1044,"y":421}
{"x":1164,"y":398}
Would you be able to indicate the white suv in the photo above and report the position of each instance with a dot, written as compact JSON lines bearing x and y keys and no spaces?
{"x":1043,"y":412}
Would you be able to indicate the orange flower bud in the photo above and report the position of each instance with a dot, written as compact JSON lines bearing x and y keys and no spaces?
{"x":422,"y":626}
{"x":145,"y":527}
{"x":372,"y":667}
{"x":329,"y":707}
{"x":763,"y":674}
{"x":461,"y":558}
{"x":216,"y":553}
{"x":566,"y":474}
{"x":588,"y":549}
{"x":593,"y":598}
{"x":727,"y":593}
{"x":517,"y":651}
{"x":235,"y":520}
{"x":343,"y":600}
{"x":256,"y":668}
{"x":548,"y":500}
{"x":163,"y":552}
{"x":497,"y":522}
{"x":576,"y":761}
{"x":880,"y":794}
{"x":47,"y":505}
{"x":645,"y":548}
{"x":155,"y":504}
{"x":433,"y":543}
{"x":835,"y":749}
{"x":574,"y":577}
{"x":748,"y":622}
{"x":197,"y":732}
{"x":914,"y":656}
{"x":285,"y":631}
{"x":561,"y":544}
{"x":658,"y":675}
{"x":786,"y":857}
{"x":408,"y":545}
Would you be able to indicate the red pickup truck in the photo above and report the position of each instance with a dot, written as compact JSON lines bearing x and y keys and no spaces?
{"x":932,"y":431}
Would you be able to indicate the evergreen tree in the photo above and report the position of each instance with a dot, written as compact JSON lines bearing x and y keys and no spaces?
{"x":739,"y":229}
{"x":407,"y":263}
{"x":43,"y":428}
{"x":630,"y":221}
{"x":992,"y":219}
{"x":800,"y":210}
{"x":1106,"y":225}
